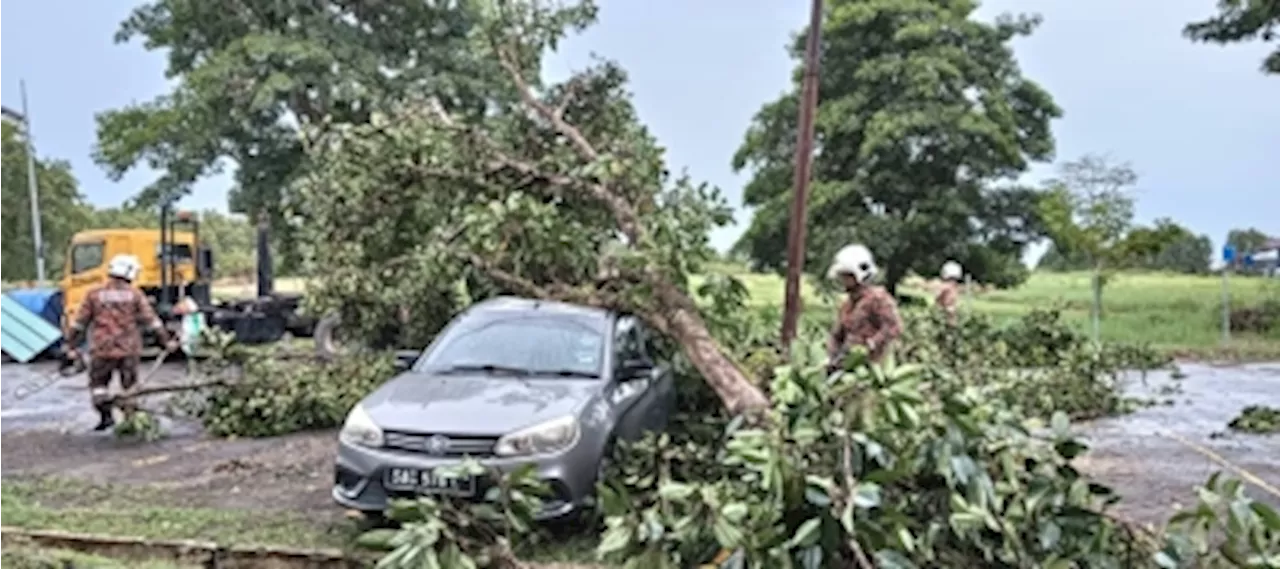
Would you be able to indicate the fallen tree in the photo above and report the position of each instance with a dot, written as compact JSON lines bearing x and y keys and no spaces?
{"x":547,"y":191}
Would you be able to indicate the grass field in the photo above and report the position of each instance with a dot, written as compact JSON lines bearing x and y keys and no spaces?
{"x":1180,"y":313}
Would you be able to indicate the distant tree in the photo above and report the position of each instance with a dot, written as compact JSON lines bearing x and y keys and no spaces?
{"x":1190,"y":254}
{"x":1166,"y":246}
{"x":1242,"y":20}
{"x":233,"y":241}
{"x":124,"y":218}
{"x":923,"y":114}
{"x":1088,"y":210}
{"x":63,"y":210}
{"x":1247,"y":240}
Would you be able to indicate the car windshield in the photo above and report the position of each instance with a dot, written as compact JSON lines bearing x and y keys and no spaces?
{"x":535,"y":346}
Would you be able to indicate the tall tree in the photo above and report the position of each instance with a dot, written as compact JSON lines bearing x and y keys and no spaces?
{"x":1088,"y":211}
{"x":556,"y":191}
{"x":922,"y":111}
{"x":1242,"y":20}
{"x":250,"y":72}
{"x":62,"y":210}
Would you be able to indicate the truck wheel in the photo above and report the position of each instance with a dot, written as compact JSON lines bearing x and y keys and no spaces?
{"x":328,"y":345}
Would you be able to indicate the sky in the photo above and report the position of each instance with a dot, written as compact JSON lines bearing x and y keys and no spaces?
{"x":1197,"y":122}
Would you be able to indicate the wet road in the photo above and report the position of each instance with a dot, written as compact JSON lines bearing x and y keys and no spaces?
{"x":1133,"y":453}
{"x":35,"y":397}
{"x":1139,"y":455}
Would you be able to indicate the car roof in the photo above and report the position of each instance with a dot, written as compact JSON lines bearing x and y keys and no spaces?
{"x":515,"y":306}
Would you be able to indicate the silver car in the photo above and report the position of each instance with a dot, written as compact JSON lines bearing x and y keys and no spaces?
{"x":509,"y":382}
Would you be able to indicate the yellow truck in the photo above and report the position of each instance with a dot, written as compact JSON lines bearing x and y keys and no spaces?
{"x":175,"y":263}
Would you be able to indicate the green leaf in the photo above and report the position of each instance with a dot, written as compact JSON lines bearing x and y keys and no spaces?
{"x":1060,"y":424}
{"x":675,"y":491}
{"x":1050,"y":534}
{"x":806,"y":534}
{"x":866,"y":495}
{"x":1270,"y":518}
{"x":616,"y":539}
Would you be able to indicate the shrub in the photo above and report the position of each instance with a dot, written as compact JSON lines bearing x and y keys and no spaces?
{"x":256,"y":394}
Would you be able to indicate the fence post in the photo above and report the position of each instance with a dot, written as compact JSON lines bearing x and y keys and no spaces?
{"x":1096,"y":285}
{"x":1228,"y":257}
{"x":1226,"y":306}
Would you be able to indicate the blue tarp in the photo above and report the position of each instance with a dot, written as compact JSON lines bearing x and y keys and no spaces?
{"x":45,"y":302}
{"x":24,"y":333}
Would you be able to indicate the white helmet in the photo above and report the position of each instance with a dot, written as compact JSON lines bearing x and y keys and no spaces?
{"x":124,"y":267}
{"x":853,"y":260}
{"x":952,"y":270}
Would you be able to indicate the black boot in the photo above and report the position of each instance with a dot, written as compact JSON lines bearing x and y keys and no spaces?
{"x":107,"y":418}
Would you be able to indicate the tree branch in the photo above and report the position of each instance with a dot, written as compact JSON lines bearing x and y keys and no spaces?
{"x":622,"y":210}
{"x":558,"y":292}
{"x":130,"y":395}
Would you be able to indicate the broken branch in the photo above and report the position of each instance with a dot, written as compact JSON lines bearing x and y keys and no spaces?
{"x":130,"y":395}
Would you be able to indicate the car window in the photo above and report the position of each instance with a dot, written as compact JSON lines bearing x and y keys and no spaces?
{"x":86,"y":256}
{"x":534,"y":344}
{"x":628,"y":341}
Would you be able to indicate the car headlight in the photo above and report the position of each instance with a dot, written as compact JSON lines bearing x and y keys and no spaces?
{"x":359,"y":429}
{"x":551,"y":436}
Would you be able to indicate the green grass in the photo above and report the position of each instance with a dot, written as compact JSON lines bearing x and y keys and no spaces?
{"x":80,"y":507}
{"x":24,"y":557}
{"x":1174,"y":312}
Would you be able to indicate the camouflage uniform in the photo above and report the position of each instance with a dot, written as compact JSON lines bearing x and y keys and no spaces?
{"x":868,"y":318}
{"x":947,"y":300}
{"x":111,"y":314}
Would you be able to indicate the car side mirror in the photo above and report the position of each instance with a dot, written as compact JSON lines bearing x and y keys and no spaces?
{"x":635,"y":369}
{"x":403,"y":363}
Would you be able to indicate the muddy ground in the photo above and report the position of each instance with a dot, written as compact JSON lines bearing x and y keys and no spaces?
{"x":47,"y":433}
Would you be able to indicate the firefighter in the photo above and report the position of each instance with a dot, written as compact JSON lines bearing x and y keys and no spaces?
{"x":949,"y":296}
{"x":110,"y":315}
{"x":869,"y":316}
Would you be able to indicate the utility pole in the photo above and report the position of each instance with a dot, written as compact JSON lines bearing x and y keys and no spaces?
{"x":804,"y":161}
{"x":37,"y":236}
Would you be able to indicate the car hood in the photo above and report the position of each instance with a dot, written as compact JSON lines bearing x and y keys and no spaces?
{"x":474,"y":404}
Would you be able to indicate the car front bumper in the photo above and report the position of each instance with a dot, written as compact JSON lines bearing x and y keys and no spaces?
{"x":359,"y":473}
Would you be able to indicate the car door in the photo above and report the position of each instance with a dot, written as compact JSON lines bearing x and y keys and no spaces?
{"x":661,"y":398}
{"x":629,"y":396}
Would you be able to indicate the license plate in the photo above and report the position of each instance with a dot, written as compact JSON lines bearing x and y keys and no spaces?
{"x":428,"y":482}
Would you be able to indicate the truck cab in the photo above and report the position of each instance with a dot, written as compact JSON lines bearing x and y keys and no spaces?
{"x":169,"y":266}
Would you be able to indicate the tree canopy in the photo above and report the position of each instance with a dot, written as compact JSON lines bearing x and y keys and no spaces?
{"x":923,"y":114}
{"x":63,"y":210}
{"x":1239,"y":21}
{"x":248,"y":74}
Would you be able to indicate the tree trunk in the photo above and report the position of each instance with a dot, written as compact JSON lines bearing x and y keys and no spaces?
{"x":732,"y":385}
